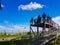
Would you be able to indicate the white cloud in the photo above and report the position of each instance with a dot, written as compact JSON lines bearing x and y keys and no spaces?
{"x":30,"y":6}
{"x":2,"y":27}
{"x":8,"y":23}
{"x":16,"y":28}
{"x":57,"y":20}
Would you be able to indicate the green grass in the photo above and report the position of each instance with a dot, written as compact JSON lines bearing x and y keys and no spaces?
{"x":15,"y":42}
{"x":5,"y":43}
{"x":55,"y":41}
{"x":10,"y":36}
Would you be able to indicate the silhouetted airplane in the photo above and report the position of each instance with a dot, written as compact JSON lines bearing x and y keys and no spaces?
{"x":0,"y":6}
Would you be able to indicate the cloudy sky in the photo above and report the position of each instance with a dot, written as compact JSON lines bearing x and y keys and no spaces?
{"x":16,"y":14}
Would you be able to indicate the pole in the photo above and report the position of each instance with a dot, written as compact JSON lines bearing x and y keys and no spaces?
{"x":37,"y":31}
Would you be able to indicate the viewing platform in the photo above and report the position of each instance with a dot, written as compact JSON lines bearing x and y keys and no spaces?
{"x":47,"y":25}
{"x":43,"y":22}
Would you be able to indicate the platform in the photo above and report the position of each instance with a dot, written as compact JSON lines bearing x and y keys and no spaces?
{"x":47,"y":25}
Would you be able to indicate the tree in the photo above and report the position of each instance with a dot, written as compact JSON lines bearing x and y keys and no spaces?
{"x":28,"y":33}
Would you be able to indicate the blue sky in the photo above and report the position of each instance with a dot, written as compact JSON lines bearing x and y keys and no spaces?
{"x":17,"y":12}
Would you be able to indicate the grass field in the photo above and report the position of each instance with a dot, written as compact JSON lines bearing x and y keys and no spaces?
{"x":15,"y":42}
{"x":55,"y":41}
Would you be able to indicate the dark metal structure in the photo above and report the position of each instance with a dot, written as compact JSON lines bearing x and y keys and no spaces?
{"x":43,"y":22}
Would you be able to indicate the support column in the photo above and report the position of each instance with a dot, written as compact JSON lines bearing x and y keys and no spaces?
{"x":44,"y":26}
{"x":37,"y":31}
{"x":30,"y":31}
